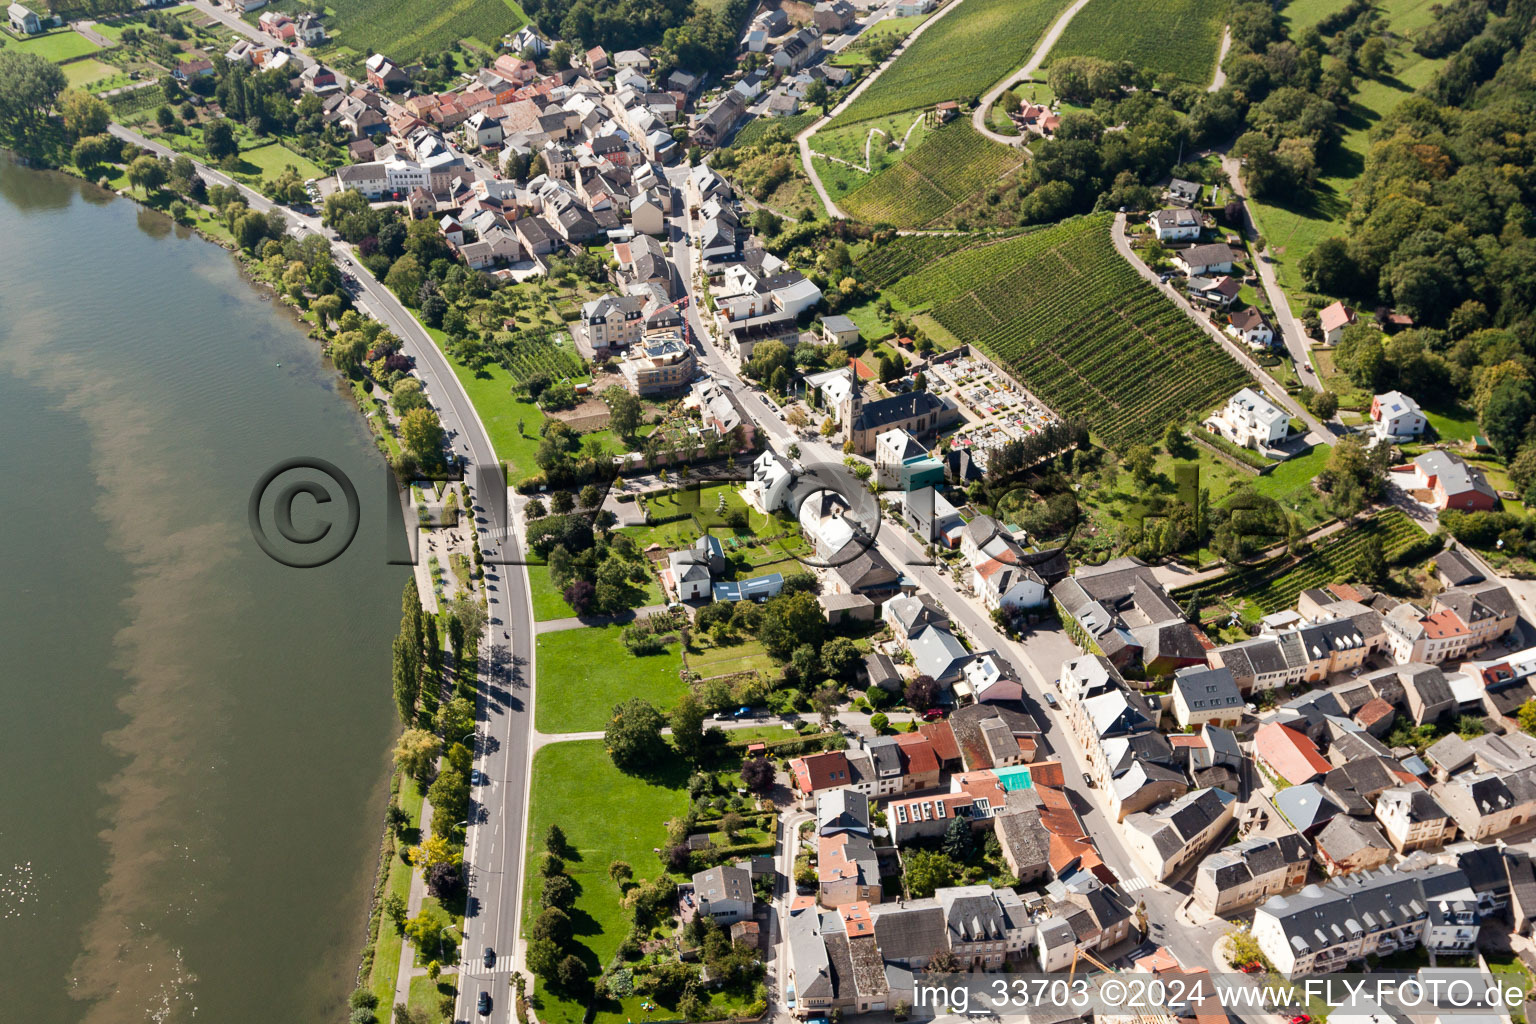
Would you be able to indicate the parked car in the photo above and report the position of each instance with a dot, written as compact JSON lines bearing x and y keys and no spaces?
{"x":1050,"y":699}
{"x":1087,"y":780}
{"x":933,"y":715}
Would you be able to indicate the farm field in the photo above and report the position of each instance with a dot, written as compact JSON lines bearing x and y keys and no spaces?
{"x":1293,"y":229}
{"x":1079,"y":328}
{"x":907,"y":254}
{"x":407,"y":30}
{"x":1264,"y":588}
{"x":959,"y":58}
{"x":1181,"y":41}
{"x":952,"y":164}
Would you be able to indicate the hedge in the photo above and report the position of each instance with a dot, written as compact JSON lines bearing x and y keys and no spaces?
{"x":1244,"y":455}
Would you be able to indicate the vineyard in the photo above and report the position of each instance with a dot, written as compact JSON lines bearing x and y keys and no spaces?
{"x":960,"y":57}
{"x":1078,"y":327}
{"x":407,"y":30}
{"x":949,"y":166}
{"x":136,"y":101}
{"x":1275,"y":584}
{"x":908,"y":254}
{"x":753,"y":131}
{"x":1180,"y":42}
{"x":525,"y":353}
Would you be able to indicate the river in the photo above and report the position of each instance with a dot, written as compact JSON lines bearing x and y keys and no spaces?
{"x":195,"y":738}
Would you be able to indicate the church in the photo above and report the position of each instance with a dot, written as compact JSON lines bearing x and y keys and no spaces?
{"x":917,"y":412}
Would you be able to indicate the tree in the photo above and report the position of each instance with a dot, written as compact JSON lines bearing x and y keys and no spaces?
{"x":408,"y":395}
{"x":633,"y":736}
{"x":927,"y":871}
{"x":816,"y":95}
{"x":839,"y":657}
{"x":559,"y":892}
{"x":757,"y":774}
{"x":552,"y":924}
{"x":394,"y":908}
{"x":958,"y":840}
{"x":543,"y":959}
{"x":219,"y":140}
{"x":788,"y":621}
{"x":731,"y":824}
{"x":1141,"y":460}
{"x":555,"y":842}
{"x":433,"y":850}
{"x":560,"y":55}
{"x":416,"y":753}
{"x":572,"y":973}
{"x":406,"y":674}
{"x":1526,"y":716}
{"x":825,"y":702}
{"x":456,"y":719}
{"x":561,"y":502}
{"x":624,"y":411}
{"x":404,"y":278}
{"x":421,"y":434}
{"x":581,"y":595}
{"x":1324,"y":404}
{"x":470,"y":616}
{"x":922,"y":692}
{"x":91,"y":152}
{"x":83,"y":114}
{"x":1371,"y":565}
{"x":29,"y":85}
{"x":687,"y":721}
{"x":147,"y":173}
{"x":425,"y":930}
{"x":1360,"y":354}
{"x":1505,"y":417}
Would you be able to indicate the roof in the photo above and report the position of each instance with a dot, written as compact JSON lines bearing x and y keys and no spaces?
{"x":1207,"y":689}
{"x":1206,"y":255}
{"x":1335,"y":315}
{"x":1457,"y":569}
{"x":1344,"y":836}
{"x":1249,"y":319}
{"x":937,"y":652}
{"x":1306,"y":807}
{"x":1453,"y":474}
{"x":1290,"y":753}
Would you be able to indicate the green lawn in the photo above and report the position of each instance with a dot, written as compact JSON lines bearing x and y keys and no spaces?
{"x":871,"y":327}
{"x":490,"y":389}
{"x":1300,"y":14}
{"x":386,"y":951}
{"x":66,"y":44}
{"x":1453,"y":423}
{"x":606,"y":816}
{"x":425,"y":993}
{"x":548,"y":603}
{"x":742,"y":656}
{"x":81,"y":73}
{"x":1292,"y":230}
{"x":269,"y":161}
{"x":584,"y":672}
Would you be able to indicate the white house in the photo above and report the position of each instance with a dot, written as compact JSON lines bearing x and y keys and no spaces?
{"x":1176,"y":225}
{"x":1333,"y":319}
{"x":725,"y":893}
{"x":1007,"y":587}
{"x":1251,"y":327}
{"x":24,"y":20}
{"x":1205,"y":259}
{"x":482,"y":130}
{"x":1206,"y":696}
{"x":988,"y":679}
{"x":1251,"y":420}
{"x":1396,"y":417}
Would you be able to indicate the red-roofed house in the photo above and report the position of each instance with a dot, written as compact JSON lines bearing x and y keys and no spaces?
{"x":943,"y":739}
{"x":1332,"y":321}
{"x":919,"y":762}
{"x":1376,"y":717}
{"x":829,"y":770}
{"x":1287,"y":754}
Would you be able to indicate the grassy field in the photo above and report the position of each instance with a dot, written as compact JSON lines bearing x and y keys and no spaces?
{"x":406,"y":30}
{"x":1180,"y":41}
{"x":858,"y":52}
{"x":747,"y":655}
{"x":606,"y":816}
{"x":753,"y":131}
{"x":386,"y":956}
{"x":81,"y":73}
{"x":949,"y":167}
{"x":959,"y":58}
{"x":584,"y":672}
{"x":269,"y":161}
{"x":1293,"y":229}
{"x":59,"y":46}
{"x":490,"y":389}
{"x":1080,"y":328}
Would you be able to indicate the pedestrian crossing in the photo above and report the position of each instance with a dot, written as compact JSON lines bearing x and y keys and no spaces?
{"x":1133,"y":883}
